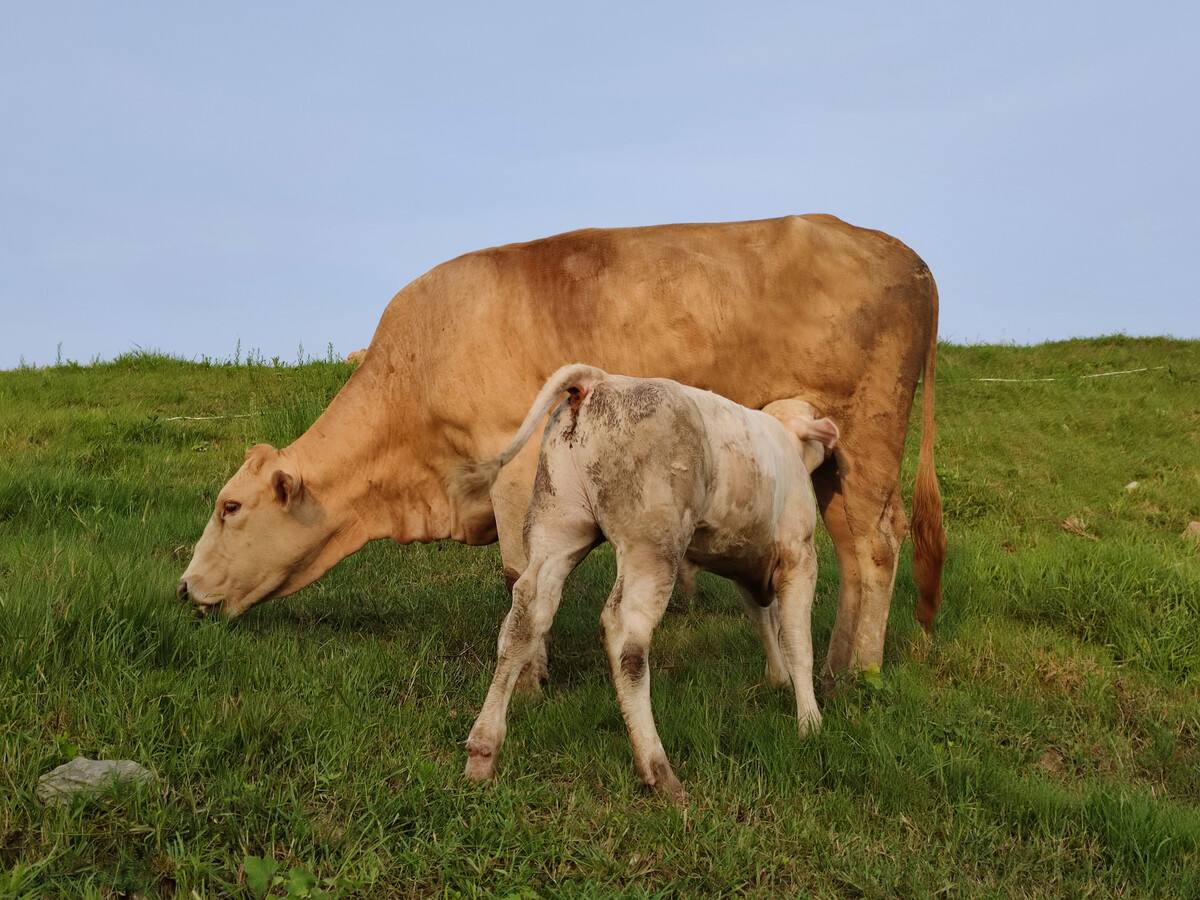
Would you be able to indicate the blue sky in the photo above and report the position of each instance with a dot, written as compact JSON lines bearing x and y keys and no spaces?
{"x":185,"y":176}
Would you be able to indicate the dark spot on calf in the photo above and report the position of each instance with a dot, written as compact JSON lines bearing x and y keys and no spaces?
{"x":618,"y":483}
{"x":618,"y":589}
{"x":519,"y":627}
{"x":633,"y":662}
{"x":526,"y":529}
{"x":568,"y":433}
{"x":510,"y":578}
{"x":671,"y":545}
{"x":542,"y":483}
{"x":602,"y":406}
{"x":543,"y":490}
{"x":641,"y":400}
{"x":617,"y":409}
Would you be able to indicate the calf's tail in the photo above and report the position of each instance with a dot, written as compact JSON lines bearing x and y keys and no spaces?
{"x":475,"y":479}
{"x":929,"y":537}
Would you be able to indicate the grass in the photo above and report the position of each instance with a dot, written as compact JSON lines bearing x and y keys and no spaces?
{"x":1046,"y":743}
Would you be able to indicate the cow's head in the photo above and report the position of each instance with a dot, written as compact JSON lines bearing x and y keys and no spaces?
{"x":265,"y":538}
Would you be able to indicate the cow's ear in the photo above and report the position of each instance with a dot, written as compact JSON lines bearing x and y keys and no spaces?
{"x":287,"y":487}
{"x":257,"y":455}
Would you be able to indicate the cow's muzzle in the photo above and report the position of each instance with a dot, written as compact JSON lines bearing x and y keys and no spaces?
{"x":201,"y":606}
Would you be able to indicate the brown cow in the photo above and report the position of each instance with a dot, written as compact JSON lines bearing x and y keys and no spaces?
{"x":755,"y":311}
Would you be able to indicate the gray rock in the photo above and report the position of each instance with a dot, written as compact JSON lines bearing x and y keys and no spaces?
{"x":1192,"y":533}
{"x":88,"y":776}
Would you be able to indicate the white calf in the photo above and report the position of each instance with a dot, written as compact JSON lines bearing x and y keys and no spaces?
{"x":674,"y":477}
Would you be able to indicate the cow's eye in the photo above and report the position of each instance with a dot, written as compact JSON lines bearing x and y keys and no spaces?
{"x":229,"y":507}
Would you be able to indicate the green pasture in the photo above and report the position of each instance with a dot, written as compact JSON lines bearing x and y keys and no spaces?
{"x":1046,"y":742}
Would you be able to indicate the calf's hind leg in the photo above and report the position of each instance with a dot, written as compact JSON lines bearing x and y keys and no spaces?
{"x":536,"y":596}
{"x":510,"y":502}
{"x":633,"y":609}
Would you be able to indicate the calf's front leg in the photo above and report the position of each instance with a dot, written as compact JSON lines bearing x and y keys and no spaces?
{"x":766,"y":623}
{"x":796,"y":585}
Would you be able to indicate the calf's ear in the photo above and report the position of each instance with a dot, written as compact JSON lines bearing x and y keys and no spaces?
{"x":821,"y":430}
{"x":287,"y":487}
{"x":825,"y":431}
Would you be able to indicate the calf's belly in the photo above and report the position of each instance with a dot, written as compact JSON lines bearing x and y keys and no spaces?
{"x":746,"y":556}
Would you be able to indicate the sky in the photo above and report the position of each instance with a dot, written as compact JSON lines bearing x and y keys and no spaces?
{"x":191,"y":177}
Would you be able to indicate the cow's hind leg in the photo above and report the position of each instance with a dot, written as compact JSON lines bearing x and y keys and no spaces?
{"x":536,"y":596}
{"x":634,"y":608}
{"x":860,"y":502}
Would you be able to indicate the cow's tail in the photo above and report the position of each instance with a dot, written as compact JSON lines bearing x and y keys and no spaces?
{"x":475,"y":479}
{"x":929,"y":537}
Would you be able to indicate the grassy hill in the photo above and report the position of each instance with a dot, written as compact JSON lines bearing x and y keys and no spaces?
{"x":1047,"y":741}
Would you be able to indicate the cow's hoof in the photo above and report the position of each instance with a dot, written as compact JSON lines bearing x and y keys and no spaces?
{"x":481,"y":761}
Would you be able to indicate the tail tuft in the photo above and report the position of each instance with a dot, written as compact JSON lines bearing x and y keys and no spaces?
{"x":928,"y":534}
{"x":474,"y":480}
{"x":929,"y":549}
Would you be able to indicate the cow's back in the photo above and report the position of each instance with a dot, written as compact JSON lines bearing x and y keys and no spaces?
{"x":756,"y":311}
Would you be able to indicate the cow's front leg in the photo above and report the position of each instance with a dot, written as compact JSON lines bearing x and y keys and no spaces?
{"x":633,"y":609}
{"x":797,"y":583}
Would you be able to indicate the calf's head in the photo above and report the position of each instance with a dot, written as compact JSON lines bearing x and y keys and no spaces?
{"x":265,"y":538}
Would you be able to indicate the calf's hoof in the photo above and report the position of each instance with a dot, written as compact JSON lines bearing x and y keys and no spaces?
{"x":662,"y":781}
{"x":832,"y":685}
{"x":481,"y":761}
{"x":778,"y":679}
{"x":810,"y":723}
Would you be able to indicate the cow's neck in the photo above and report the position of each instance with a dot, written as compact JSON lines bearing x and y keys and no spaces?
{"x":360,"y":461}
